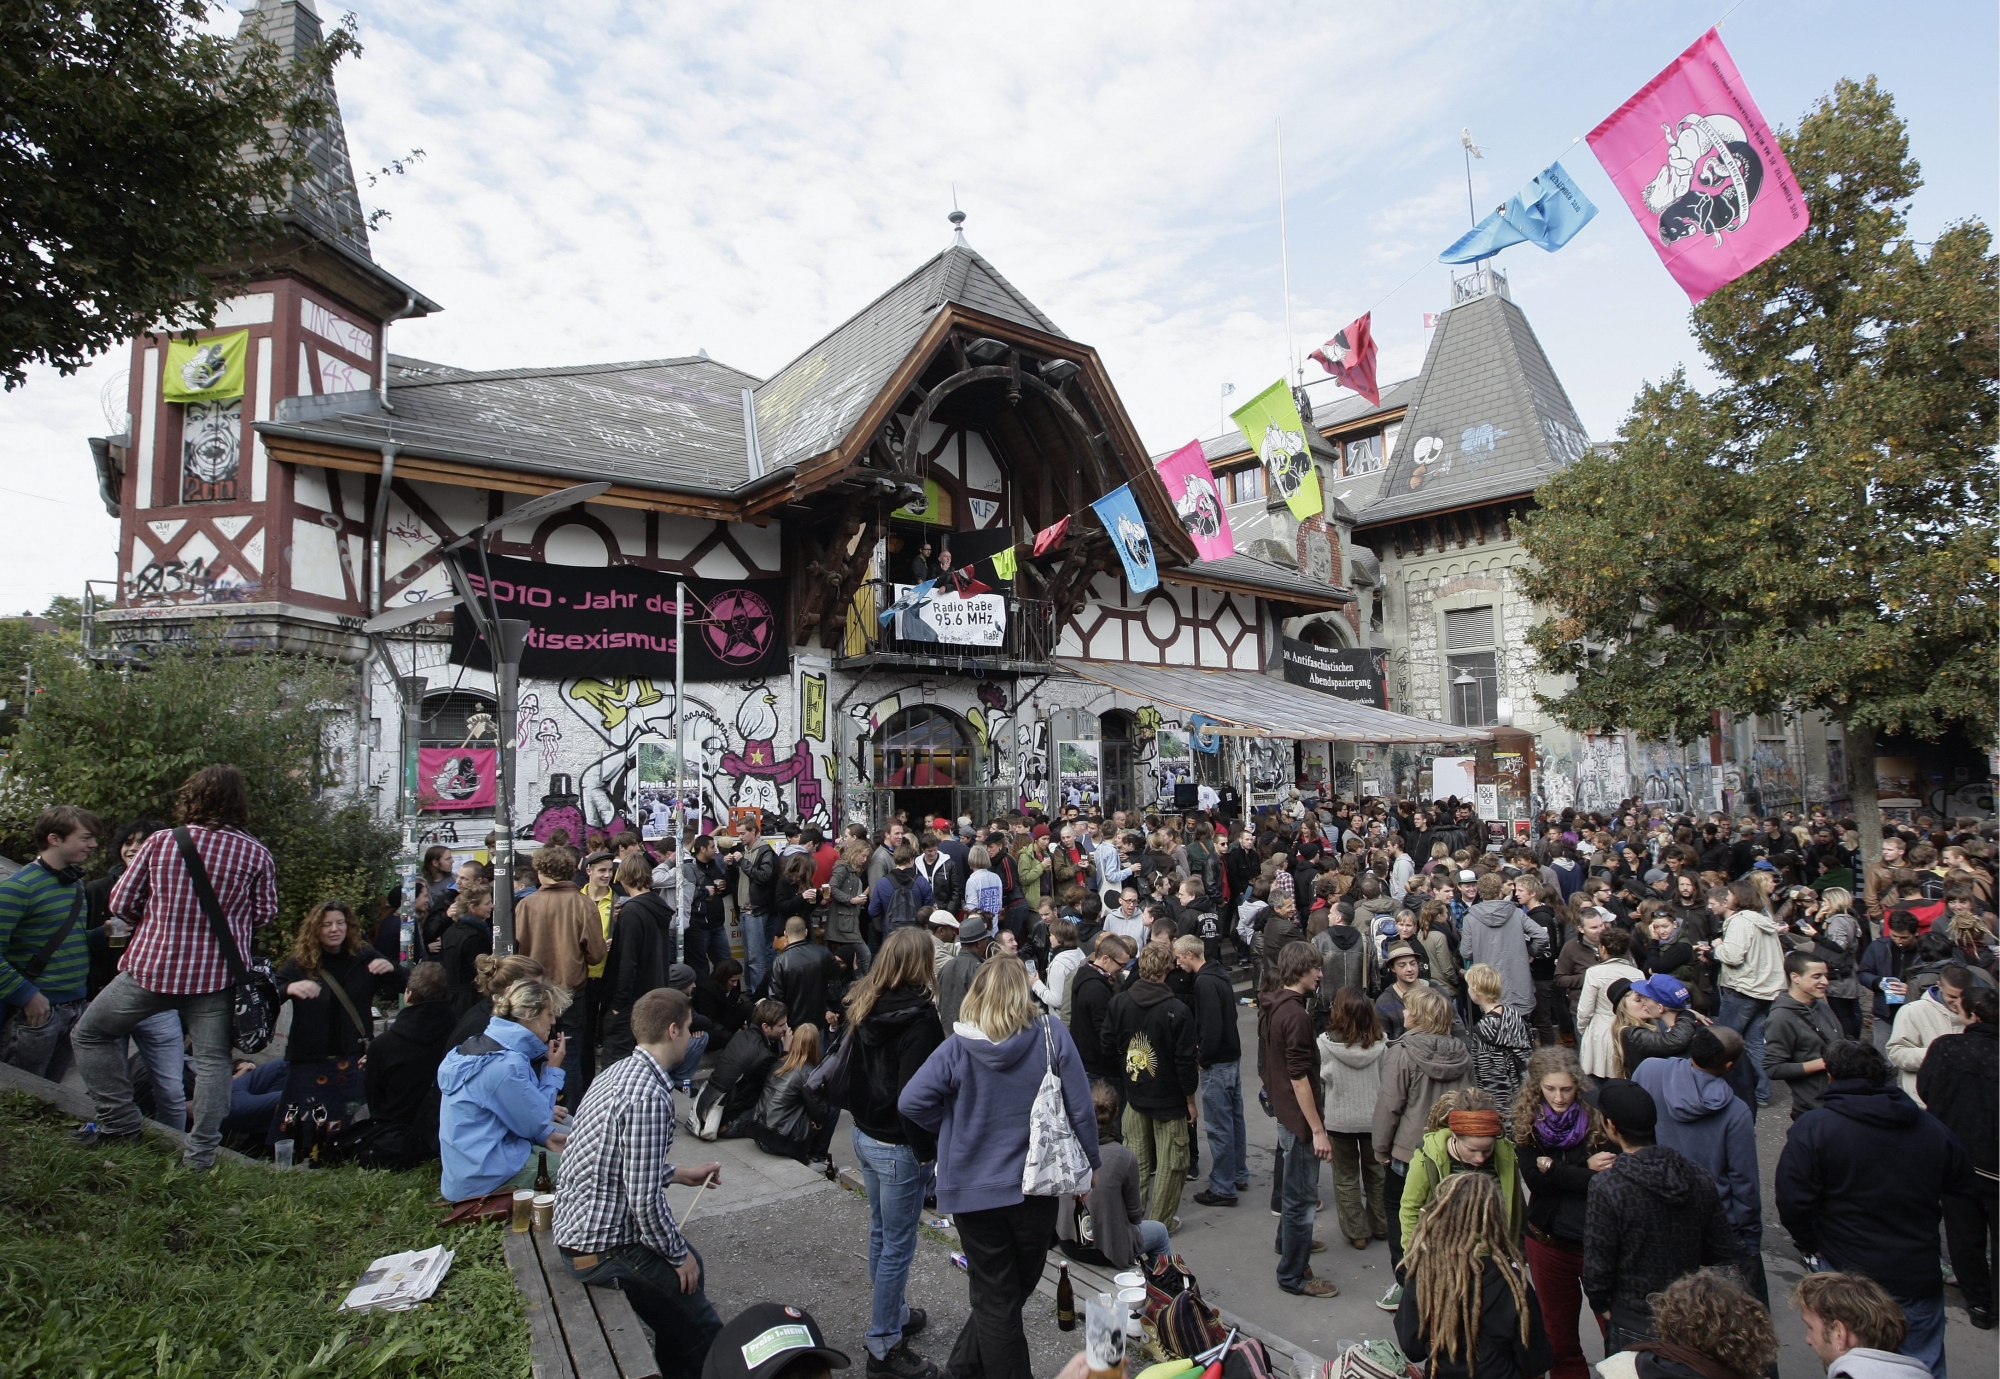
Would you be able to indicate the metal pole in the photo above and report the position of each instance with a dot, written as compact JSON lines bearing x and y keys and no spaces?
{"x":1285,"y":253}
{"x":680,"y":771}
{"x":411,"y":688}
{"x":512,"y":636}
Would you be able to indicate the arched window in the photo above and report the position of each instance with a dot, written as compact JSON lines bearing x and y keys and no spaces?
{"x":458,"y":719}
{"x":923,"y":748}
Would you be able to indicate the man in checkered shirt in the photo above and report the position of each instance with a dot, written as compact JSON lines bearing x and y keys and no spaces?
{"x":612,"y":1221}
{"x":173,"y":961}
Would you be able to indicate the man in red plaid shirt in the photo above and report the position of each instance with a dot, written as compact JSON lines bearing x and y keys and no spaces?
{"x":173,"y":961}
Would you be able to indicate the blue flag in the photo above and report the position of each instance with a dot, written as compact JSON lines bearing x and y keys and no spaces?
{"x":1119,"y":512}
{"x":1202,"y":730}
{"x":1547,"y":212}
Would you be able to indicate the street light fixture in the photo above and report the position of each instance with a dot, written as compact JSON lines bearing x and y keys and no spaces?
{"x":505,"y":639}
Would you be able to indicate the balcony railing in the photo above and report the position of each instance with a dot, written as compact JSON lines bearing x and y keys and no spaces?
{"x":995,"y":631}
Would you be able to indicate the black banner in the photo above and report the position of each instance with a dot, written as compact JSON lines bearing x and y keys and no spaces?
{"x":616,"y":621}
{"x":1359,"y":675}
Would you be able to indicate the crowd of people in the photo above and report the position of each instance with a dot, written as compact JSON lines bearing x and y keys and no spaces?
{"x":1534,"y":1066}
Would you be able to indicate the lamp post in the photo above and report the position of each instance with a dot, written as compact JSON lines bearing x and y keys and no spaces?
{"x":505,"y":639}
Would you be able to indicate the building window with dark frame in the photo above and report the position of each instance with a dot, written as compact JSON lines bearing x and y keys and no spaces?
{"x":1471,"y":667}
{"x":1246,"y":485}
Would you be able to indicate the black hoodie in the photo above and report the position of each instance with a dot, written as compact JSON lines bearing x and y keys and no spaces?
{"x":891,"y":1044}
{"x":1215,"y":1016}
{"x":1838,"y":1198}
{"x":401,"y":1076}
{"x":1152,"y":1034}
{"x":1090,"y":993}
{"x":1652,"y":1217}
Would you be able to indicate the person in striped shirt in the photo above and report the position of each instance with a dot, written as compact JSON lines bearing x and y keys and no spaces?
{"x":44,"y":954}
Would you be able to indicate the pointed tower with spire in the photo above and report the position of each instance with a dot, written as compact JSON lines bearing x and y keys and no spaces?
{"x":209,"y":524}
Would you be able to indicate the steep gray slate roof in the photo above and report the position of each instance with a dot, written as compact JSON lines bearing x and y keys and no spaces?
{"x":811,"y":404}
{"x":1496,"y":419}
{"x":674,"y":422}
{"x":1275,"y":580}
{"x":327,"y":204}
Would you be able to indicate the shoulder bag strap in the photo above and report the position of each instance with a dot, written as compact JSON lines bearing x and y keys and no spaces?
{"x":210,"y":906}
{"x":361,"y":1026}
{"x":47,"y":952}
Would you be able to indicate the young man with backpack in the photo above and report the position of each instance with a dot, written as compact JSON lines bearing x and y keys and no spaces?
{"x":44,"y":953}
{"x":901,"y":892}
{"x":176,"y":960}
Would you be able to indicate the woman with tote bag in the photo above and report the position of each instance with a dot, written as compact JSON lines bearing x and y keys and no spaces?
{"x":989,"y":1093}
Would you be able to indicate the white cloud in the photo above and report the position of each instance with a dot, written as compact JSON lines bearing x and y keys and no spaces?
{"x":605,"y":182}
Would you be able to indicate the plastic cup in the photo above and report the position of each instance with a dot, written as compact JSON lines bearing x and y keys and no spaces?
{"x":281,"y":1153}
{"x":543,"y":1210}
{"x":524,"y":1209}
{"x":1104,"y":1336}
{"x":1133,"y":1300}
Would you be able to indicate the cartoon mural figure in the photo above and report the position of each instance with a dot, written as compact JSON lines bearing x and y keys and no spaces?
{"x":990,"y":721}
{"x":1138,"y":545}
{"x":757,"y":768}
{"x":549,"y":734}
{"x":1710,"y":178}
{"x":620,"y":712}
{"x":1430,"y":460}
{"x":1032,"y":746}
{"x":1284,"y":456}
{"x":525,"y":720}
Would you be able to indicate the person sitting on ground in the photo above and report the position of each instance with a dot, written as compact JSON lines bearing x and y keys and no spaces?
{"x":719,"y":998}
{"x":726,"y":1103}
{"x":1707,"y":1327}
{"x":788,"y":1122}
{"x":402,"y":1064}
{"x":331,"y":980}
{"x":1468,"y":1307}
{"x":1855,"y":1328}
{"x":465,"y":939}
{"x":491,"y":976}
{"x":499,"y":1093}
{"x":1473,"y":1139}
{"x":1112,"y":1229}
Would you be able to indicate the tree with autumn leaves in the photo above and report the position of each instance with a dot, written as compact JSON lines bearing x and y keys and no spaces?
{"x":1817,"y":533}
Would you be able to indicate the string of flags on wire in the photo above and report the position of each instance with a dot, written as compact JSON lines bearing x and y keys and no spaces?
{"x":1715,"y":202}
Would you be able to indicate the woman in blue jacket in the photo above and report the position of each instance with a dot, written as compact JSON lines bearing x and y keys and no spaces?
{"x":500,"y":1090}
{"x":976,"y":1092}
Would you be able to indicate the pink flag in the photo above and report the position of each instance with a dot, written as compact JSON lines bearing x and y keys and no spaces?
{"x":1701,"y":170}
{"x":456,"y":777}
{"x":1430,"y":320}
{"x":1192,"y":487}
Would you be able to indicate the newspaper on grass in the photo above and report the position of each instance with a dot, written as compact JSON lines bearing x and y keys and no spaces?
{"x":395,"y":1283}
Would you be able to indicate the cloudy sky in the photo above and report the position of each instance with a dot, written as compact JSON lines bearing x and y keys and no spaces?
{"x":606,"y":181}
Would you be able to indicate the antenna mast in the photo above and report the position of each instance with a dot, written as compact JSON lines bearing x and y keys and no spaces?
{"x":1285,"y":255}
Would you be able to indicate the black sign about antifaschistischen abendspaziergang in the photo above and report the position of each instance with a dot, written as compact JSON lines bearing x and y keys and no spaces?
{"x":1358,"y":675}
{"x":615,"y":621}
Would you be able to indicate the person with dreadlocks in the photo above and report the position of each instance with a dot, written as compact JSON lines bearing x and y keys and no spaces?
{"x":1468,"y":1308}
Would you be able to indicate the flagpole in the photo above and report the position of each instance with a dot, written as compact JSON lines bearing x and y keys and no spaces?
{"x":1285,"y":255}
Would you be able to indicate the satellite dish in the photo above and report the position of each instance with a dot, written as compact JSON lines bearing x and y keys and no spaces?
{"x":409,"y":613}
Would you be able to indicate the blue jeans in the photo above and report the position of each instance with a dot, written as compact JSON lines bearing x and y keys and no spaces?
{"x":684,"y":1324}
{"x":1300,"y":1206}
{"x":1228,"y":1143}
{"x":159,"y":1040}
{"x":896,"y":1185}
{"x":1153,"y":1240}
{"x":1925,"y":1341}
{"x":756,"y":948}
{"x":1746,"y":1016}
{"x":99,"y":1040}
{"x":685,"y":1070}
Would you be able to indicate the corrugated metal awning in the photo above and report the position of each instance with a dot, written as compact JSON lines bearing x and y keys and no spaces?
{"x":1247,"y":704}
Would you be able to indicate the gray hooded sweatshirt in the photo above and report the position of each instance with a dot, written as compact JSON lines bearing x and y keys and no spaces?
{"x":1497,"y":932}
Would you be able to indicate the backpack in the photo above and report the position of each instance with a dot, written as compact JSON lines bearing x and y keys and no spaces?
{"x":902,"y":907}
{"x":383,"y":1144}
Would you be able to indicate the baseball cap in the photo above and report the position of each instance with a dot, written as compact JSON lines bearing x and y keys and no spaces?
{"x":1466,"y":878}
{"x":1664,"y":987}
{"x":1763,"y":864}
{"x":1656,"y":874}
{"x":764,"y":1338}
{"x":597,"y":857}
{"x":1627,"y":1105}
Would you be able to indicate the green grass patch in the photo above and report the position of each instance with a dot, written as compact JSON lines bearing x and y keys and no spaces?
{"x":117,"y":1262}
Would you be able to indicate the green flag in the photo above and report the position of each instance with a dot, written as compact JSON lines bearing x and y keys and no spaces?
{"x":1270,"y":422}
{"x":206,"y":370}
{"x":1003,"y":563}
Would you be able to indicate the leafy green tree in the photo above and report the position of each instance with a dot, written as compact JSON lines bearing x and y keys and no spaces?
{"x":136,"y":150}
{"x":1817,"y":533}
{"x":120,"y":742}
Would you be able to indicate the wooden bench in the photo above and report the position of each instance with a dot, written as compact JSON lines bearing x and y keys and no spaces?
{"x":575,"y":1332}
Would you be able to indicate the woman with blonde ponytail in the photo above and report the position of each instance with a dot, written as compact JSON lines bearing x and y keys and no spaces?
{"x":500,"y":1088}
{"x":491,"y":975}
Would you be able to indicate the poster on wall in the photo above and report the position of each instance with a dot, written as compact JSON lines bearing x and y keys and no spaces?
{"x":1359,"y":675}
{"x":1079,"y":777}
{"x":1173,"y":760}
{"x":1489,"y":801}
{"x":456,"y":778}
{"x":1451,"y":777}
{"x":618,"y":622}
{"x":980,"y":620}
